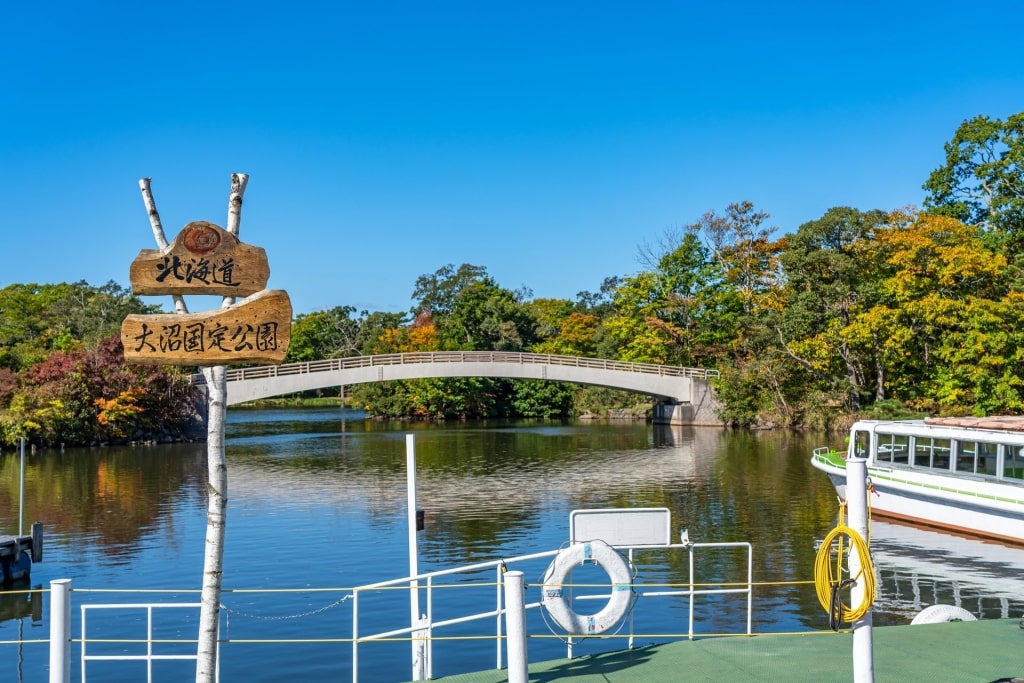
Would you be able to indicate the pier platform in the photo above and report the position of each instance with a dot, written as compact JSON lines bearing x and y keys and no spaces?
{"x":17,"y":553}
{"x":986,"y":651}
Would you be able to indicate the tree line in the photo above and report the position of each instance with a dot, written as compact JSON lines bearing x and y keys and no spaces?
{"x":63,"y":379}
{"x":858,"y":311}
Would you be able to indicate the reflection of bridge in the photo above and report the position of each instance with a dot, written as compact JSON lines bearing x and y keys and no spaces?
{"x":673,"y":387}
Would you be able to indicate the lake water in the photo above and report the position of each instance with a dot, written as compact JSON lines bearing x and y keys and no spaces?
{"x":317,"y":500}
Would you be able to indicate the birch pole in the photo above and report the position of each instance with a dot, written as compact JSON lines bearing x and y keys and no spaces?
{"x":217,"y":486}
{"x":216,"y":518}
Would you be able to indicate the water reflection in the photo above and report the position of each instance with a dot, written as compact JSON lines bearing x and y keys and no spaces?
{"x":111,"y":497}
{"x":920,"y":567}
{"x":21,"y":601}
{"x":317,"y":498}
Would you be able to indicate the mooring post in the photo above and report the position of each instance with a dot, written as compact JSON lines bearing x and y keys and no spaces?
{"x":857,"y":511}
{"x":515,"y":627}
{"x":60,"y":631}
{"x":37,"y":542}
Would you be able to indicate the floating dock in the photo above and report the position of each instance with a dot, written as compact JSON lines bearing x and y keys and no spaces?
{"x":17,"y":553}
{"x":984,"y":651}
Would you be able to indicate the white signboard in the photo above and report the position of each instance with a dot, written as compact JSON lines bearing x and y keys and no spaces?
{"x":622,"y":526}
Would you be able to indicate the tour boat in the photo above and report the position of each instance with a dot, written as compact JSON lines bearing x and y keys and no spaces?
{"x":960,"y":473}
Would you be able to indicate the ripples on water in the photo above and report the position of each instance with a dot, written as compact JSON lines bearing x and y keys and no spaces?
{"x":317,"y":499}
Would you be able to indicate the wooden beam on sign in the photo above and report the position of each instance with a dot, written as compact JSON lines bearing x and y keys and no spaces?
{"x":256,"y":330}
{"x":203,"y":259}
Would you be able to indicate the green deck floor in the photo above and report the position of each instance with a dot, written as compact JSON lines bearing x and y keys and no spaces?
{"x":984,"y":651}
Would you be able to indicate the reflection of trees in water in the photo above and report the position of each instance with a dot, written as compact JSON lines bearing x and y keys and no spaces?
{"x":481,"y":486}
{"x":113,"y":496}
{"x":757,"y":487}
{"x":489,"y":486}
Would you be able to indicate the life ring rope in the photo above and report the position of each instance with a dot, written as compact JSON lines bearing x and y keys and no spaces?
{"x":556,"y":603}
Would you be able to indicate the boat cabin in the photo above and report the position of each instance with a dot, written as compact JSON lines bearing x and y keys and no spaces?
{"x":983,"y":447}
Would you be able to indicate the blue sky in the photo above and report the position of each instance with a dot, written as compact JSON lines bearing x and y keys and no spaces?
{"x":545,"y":141}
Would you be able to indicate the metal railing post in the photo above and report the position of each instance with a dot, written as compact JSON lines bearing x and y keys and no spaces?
{"x":515,"y":627}
{"x":60,"y":631}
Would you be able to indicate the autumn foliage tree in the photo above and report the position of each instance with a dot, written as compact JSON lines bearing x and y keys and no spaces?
{"x":91,"y":396}
{"x":947,"y":327}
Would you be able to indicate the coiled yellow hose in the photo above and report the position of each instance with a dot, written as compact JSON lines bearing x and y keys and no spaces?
{"x":829,"y":584}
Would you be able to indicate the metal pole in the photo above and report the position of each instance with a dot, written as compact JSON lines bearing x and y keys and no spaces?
{"x":21,"y":493}
{"x":418,"y":645}
{"x":857,"y":512}
{"x":60,"y":631}
{"x":515,"y":627}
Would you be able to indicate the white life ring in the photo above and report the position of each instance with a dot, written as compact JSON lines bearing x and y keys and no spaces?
{"x":557,"y":576}
{"x":936,"y":614}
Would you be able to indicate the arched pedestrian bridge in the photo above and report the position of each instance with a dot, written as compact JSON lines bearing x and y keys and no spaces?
{"x":670,"y":386}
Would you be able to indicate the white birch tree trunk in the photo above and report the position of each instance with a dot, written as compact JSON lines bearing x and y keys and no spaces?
{"x":217,"y":486}
{"x":216,"y":520}
{"x":216,"y":462}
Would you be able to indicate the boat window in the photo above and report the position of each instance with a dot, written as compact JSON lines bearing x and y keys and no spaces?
{"x":967,"y":456}
{"x":893,"y":448}
{"x":922,"y":452}
{"x":1013,"y":462}
{"x":987,"y":459}
{"x":929,"y":452}
{"x":861,"y":443}
{"x":941,"y":450}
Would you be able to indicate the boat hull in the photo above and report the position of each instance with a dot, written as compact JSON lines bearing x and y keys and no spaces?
{"x":926,"y":500}
{"x":963,"y":516}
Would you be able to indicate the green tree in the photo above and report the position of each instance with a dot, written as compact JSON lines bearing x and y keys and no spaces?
{"x":982,"y":179}
{"x":324,"y":334}
{"x":563,"y":329}
{"x":742,"y":249}
{"x":373,"y":336}
{"x":532,"y":398}
{"x":37,"y":319}
{"x":641,"y":336}
{"x":438,"y":292}
{"x":946,"y":325}
{"x":680,"y":311}
{"x":826,"y":282}
{"x":488,"y":317}
{"x":741,"y":246}
{"x":598,"y":303}
{"x":472,"y":312}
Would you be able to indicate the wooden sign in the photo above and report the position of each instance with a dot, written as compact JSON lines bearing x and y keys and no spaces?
{"x":255,"y":331}
{"x":202,"y":259}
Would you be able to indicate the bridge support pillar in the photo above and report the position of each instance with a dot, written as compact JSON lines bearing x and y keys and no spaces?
{"x":702,"y":411}
{"x":671,"y":413}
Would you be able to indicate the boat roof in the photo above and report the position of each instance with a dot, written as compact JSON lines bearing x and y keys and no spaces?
{"x":992,"y":428}
{"x":1009,"y":423}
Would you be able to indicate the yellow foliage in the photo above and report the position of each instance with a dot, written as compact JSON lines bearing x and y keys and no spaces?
{"x":114,"y":410}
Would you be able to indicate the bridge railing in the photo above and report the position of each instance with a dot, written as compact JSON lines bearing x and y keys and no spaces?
{"x":333,"y":364}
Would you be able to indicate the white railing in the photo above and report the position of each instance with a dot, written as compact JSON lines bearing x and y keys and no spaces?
{"x":334,"y":364}
{"x":149,"y":656}
{"x":429,"y":583}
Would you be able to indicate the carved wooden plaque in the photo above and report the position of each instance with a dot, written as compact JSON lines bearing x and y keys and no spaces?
{"x":202,"y":259}
{"x":254,"y":331}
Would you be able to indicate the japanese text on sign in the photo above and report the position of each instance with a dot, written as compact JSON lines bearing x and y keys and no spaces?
{"x":255,"y":330}
{"x":196,"y":338}
{"x":198,"y":270}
